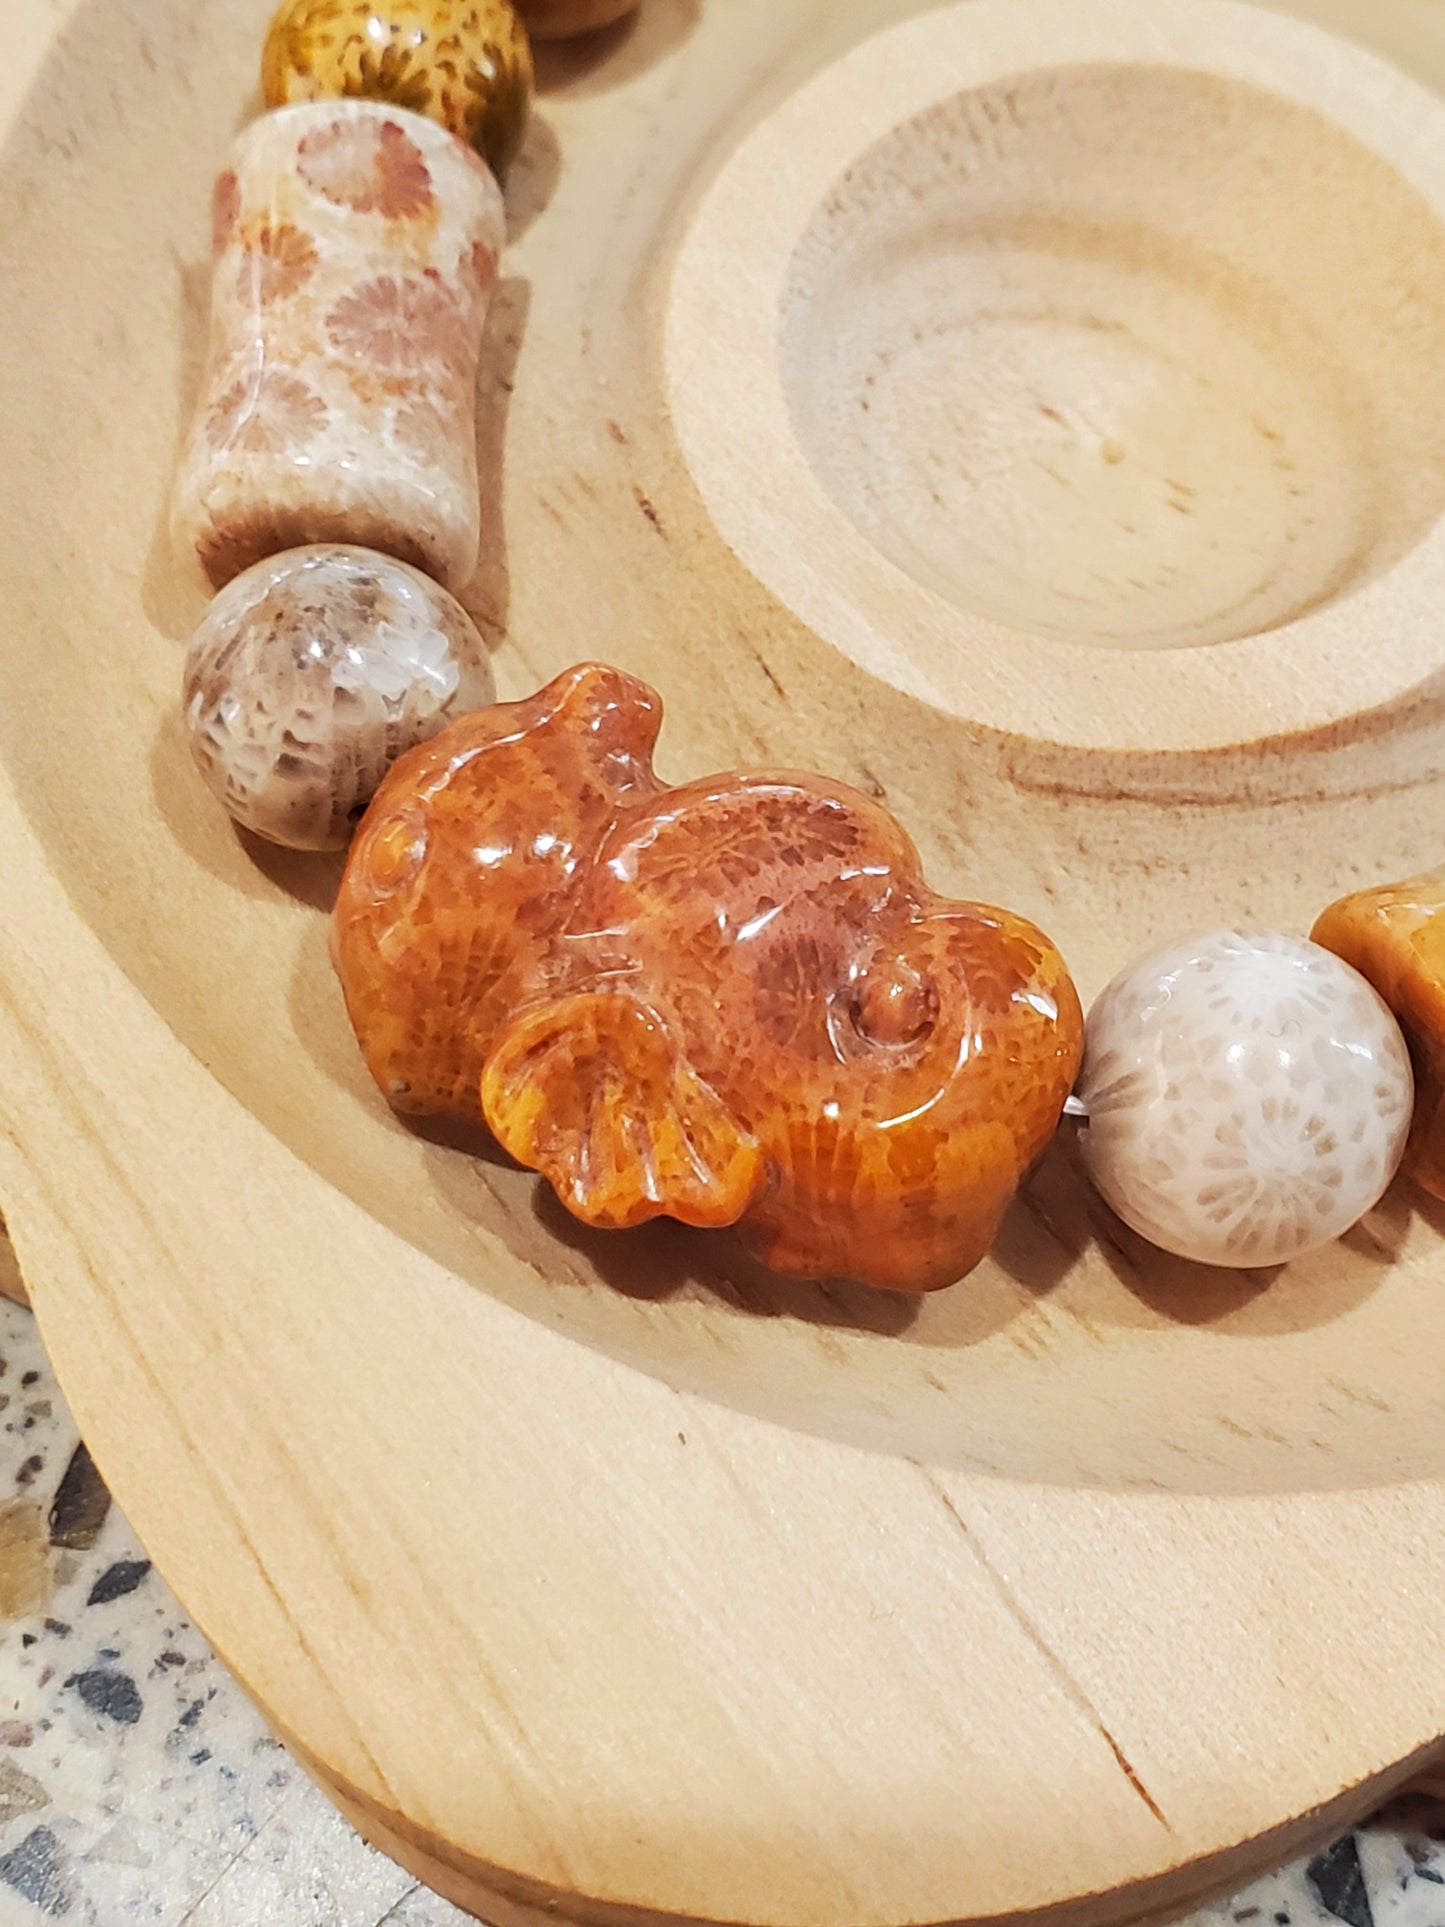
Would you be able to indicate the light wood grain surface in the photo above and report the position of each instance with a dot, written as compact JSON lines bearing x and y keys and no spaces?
{"x":667,"y":1590}
{"x":139,"y":1785}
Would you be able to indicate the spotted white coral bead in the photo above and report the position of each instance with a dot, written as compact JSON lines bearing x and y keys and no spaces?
{"x":311,"y":673}
{"x":1247,"y":1097}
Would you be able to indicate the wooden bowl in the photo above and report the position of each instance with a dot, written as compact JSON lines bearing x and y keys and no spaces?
{"x":1037,"y":417}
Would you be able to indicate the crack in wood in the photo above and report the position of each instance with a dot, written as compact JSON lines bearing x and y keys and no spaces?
{"x":1071,"y":1688}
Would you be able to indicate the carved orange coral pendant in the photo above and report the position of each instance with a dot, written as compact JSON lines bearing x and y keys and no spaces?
{"x":732,"y":1002}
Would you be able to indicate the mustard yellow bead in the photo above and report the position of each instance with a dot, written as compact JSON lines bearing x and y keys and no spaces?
{"x":465,"y":63}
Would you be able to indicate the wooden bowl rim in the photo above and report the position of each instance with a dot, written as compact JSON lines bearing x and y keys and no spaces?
{"x":1354,"y":655}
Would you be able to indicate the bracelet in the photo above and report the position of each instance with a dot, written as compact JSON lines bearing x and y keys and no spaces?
{"x":735,"y":1001}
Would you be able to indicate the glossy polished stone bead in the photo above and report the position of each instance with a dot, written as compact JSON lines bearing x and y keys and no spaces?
{"x":1247,"y":1097}
{"x":465,"y":63}
{"x":310,"y":674}
{"x":735,"y":1001}
{"x":561,"y":19}
{"x":356,"y":251}
{"x":1395,"y":937}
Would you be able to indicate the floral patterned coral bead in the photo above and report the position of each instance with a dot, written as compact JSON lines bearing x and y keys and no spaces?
{"x":1247,"y":1097}
{"x":310,"y":674}
{"x":464,"y":63}
{"x":732,"y":1002}
{"x":356,"y":249}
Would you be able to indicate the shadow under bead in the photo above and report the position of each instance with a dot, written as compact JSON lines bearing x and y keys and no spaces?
{"x":563,"y":19}
{"x":463,"y":63}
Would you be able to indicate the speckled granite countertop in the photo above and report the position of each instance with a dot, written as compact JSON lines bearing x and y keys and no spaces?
{"x":138,"y":1784}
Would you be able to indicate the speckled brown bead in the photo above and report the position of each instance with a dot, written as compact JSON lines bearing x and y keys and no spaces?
{"x":310,"y":674}
{"x":465,"y":63}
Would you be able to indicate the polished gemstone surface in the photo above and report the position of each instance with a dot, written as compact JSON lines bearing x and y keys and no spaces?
{"x":464,"y":63}
{"x":1247,"y":1096}
{"x":735,"y":1001}
{"x":356,"y":248}
{"x":310,"y":674}
{"x":1395,"y":936}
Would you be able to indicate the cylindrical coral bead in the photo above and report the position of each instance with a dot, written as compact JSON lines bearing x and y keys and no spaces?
{"x":356,"y":251}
